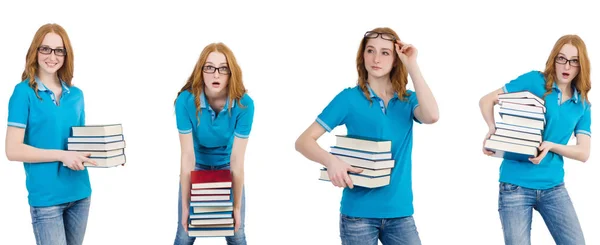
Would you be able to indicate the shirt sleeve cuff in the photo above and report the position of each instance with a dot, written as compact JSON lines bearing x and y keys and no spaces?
{"x":187,"y":131}
{"x":324,"y":125}
{"x":18,"y":125}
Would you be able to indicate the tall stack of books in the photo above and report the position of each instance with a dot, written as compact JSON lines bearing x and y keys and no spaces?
{"x":105,"y":143}
{"x":211,"y":204}
{"x":519,"y":134}
{"x":373,"y":156}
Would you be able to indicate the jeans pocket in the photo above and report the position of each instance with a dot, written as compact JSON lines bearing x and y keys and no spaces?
{"x":350,"y":218}
{"x":507,"y":187}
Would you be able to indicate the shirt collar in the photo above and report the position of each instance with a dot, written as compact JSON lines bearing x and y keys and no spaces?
{"x":204,"y":102}
{"x":42,"y":87}
{"x":574,"y":98}
{"x":373,"y":95}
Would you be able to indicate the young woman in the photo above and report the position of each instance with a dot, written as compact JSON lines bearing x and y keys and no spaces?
{"x":538,"y":183}
{"x":214,"y":118}
{"x":381,"y":107}
{"x":41,"y":112}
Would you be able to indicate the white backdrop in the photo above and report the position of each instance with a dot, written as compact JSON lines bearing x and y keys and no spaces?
{"x":131,"y":59}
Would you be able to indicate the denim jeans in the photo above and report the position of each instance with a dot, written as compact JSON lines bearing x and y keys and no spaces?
{"x":516,"y":205}
{"x":62,"y":224}
{"x":366,"y":231}
{"x":239,"y":237}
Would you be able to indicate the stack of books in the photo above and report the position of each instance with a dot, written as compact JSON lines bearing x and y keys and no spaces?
{"x":211,"y":204}
{"x":105,"y":143}
{"x":373,"y":156}
{"x":519,"y":134}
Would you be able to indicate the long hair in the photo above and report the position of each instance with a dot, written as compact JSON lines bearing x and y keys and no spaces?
{"x":582,"y":81}
{"x":235,"y":85}
{"x":398,"y":74}
{"x":65,"y":73}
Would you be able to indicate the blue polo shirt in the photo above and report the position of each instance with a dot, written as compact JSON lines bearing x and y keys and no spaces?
{"x":563,"y":120}
{"x":47,"y":126}
{"x":214,"y":133}
{"x":361,"y":118}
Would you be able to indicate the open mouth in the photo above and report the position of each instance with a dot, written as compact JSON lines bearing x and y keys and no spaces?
{"x":51,"y":65}
{"x":216,"y":84}
{"x":565,"y":74}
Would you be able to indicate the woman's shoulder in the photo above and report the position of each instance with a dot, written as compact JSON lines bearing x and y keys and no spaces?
{"x":246,"y":100}
{"x":75,"y":90}
{"x":185,"y":96}
{"x":534,"y":76}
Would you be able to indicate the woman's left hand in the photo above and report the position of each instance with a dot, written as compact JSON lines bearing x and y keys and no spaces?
{"x":544,"y":148}
{"x":406,"y":52}
{"x":237,"y":219}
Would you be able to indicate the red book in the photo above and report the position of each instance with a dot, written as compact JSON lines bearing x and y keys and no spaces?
{"x":207,"y":179}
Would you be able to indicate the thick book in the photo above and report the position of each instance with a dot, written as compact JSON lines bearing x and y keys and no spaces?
{"x":523,"y":114}
{"x":210,"y":232}
{"x":361,"y":180}
{"x":521,"y":95}
{"x":226,"y":191}
{"x":104,"y":154}
{"x":209,"y":209}
{"x":210,"y":179}
{"x":511,"y":151}
{"x":361,"y":154}
{"x":363,"y":163}
{"x":107,"y":162}
{"x":215,"y":215}
{"x":523,"y":121}
{"x":211,"y":221}
{"x":96,"y":146}
{"x":516,"y":106}
{"x":512,"y":127}
{"x":97,"y":130}
{"x":206,"y":198}
{"x":96,"y":139}
{"x":363,"y":143}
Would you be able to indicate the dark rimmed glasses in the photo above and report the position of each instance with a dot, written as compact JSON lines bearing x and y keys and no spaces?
{"x":562,"y":60}
{"x":385,"y":36}
{"x":223,"y":70}
{"x":48,"y":50}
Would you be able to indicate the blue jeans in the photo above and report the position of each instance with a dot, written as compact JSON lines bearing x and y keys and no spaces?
{"x":239,"y":237}
{"x":366,"y":231}
{"x":516,"y":205}
{"x":62,"y":224}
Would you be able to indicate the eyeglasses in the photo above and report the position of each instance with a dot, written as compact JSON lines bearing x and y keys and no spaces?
{"x":385,"y":36}
{"x":48,"y":50}
{"x":562,"y":60}
{"x":224,"y":70}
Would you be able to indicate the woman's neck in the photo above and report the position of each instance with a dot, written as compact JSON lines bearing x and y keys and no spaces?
{"x":50,"y":80}
{"x":381,"y":86}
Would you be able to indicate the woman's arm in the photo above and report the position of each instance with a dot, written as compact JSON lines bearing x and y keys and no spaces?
{"x":579,"y":151}
{"x":427,"y":112}
{"x":18,"y":151}
{"x":307,"y":145}
{"x":486,"y":106}
{"x":238,"y":153}
{"x":337,"y":170}
{"x":188,"y":160}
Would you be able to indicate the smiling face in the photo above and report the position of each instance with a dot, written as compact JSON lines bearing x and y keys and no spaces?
{"x":378,"y":57}
{"x":567,"y":64}
{"x":216,"y":73}
{"x":51,"y":54}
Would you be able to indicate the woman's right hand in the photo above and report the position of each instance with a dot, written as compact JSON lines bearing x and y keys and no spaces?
{"x":338,"y":172}
{"x":185,"y":214}
{"x":487,"y":136}
{"x":74,"y":160}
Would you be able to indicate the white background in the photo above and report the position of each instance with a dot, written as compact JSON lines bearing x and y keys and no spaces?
{"x":132,"y":58}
